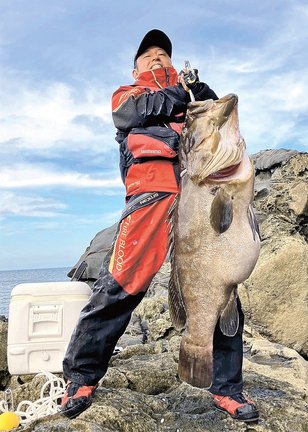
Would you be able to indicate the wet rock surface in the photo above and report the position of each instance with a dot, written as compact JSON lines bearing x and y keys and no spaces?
{"x":4,"y":375}
{"x":148,"y":396}
{"x":141,"y":390}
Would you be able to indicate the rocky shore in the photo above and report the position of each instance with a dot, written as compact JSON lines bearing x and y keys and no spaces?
{"x":141,"y":390}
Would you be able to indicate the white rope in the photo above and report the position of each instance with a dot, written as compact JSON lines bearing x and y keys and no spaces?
{"x":45,"y":405}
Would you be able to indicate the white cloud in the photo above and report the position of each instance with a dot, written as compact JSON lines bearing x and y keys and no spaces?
{"x":34,"y":206}
{"x":44,"y":118}
{"x":20,"y":176}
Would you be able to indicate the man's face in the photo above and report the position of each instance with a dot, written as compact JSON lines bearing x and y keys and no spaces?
{"x":153,"y":58}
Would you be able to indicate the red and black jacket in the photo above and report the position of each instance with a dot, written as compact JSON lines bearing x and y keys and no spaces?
{"x":149,"y":115}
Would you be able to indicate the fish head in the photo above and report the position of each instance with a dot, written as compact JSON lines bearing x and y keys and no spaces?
{"x":211,"y":140}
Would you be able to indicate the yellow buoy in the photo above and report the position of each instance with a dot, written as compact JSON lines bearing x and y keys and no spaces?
{"x":8,"y":421}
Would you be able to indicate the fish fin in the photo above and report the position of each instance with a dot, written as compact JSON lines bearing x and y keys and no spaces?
{"x":229,"y":319}
{"x":253,"y":223}
{"x":221,"y":211}
{"x":176,"y":304}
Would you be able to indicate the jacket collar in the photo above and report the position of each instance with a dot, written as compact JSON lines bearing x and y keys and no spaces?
{"x":157,"y":78}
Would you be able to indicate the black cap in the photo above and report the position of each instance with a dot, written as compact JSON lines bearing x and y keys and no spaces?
{"x":154,"y":38}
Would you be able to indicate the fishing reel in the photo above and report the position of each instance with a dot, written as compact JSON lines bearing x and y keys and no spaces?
{"x":190,"y":78}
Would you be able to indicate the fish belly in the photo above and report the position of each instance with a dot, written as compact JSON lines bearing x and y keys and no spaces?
{"x":209,"y":266}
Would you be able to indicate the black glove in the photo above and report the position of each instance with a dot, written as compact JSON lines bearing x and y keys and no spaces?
{"x":191,"y":79}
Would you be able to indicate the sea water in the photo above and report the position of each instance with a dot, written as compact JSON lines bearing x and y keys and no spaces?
{"x":10,"y":278}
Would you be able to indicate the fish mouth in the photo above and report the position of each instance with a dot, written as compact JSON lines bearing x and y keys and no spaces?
{"x":223,"y":107}
{"x":218,"y":146}
{"x":226,"y":172}
{"x":223,"y":165}
{"x":236,"y":172}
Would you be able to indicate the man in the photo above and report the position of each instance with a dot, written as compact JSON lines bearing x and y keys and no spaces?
{"x":148,"y":116}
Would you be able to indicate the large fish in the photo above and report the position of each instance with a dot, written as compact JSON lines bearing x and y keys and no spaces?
{"x":216,"y":241}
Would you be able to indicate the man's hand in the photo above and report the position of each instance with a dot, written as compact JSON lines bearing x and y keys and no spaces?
{"x":189,"y":79}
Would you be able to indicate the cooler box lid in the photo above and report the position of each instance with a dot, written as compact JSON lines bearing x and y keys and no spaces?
{"x":51,"y":288}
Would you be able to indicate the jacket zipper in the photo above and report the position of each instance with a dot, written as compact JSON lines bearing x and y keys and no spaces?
{"x":167,"y":82}
{"x":167,"y":76}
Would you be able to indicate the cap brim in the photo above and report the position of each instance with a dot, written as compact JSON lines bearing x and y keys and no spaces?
{"x":155,"y":38}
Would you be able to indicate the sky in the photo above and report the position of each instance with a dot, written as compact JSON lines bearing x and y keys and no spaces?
{"x":60,"y":62}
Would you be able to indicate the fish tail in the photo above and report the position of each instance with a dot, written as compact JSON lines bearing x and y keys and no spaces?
{"x":195,"y":364}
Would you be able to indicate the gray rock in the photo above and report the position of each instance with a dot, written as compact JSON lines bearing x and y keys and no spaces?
{"x":134,"y":334}
{"x":4,"y":373}
{"x":94,"y":255}
{"x":269,"y":159}
{"x":275,"y":295}
{"x":184,"y":408}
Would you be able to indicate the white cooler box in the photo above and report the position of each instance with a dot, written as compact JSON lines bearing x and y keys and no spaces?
{"x":42,"y":317}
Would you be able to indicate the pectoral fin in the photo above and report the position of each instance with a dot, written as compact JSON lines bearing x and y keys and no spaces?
{"x":229,"y":319}
{"x":221,"y":211}
{"x":253,"y":223}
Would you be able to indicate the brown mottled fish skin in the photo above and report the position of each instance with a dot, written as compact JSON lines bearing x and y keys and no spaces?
{"x":216,"y":241}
